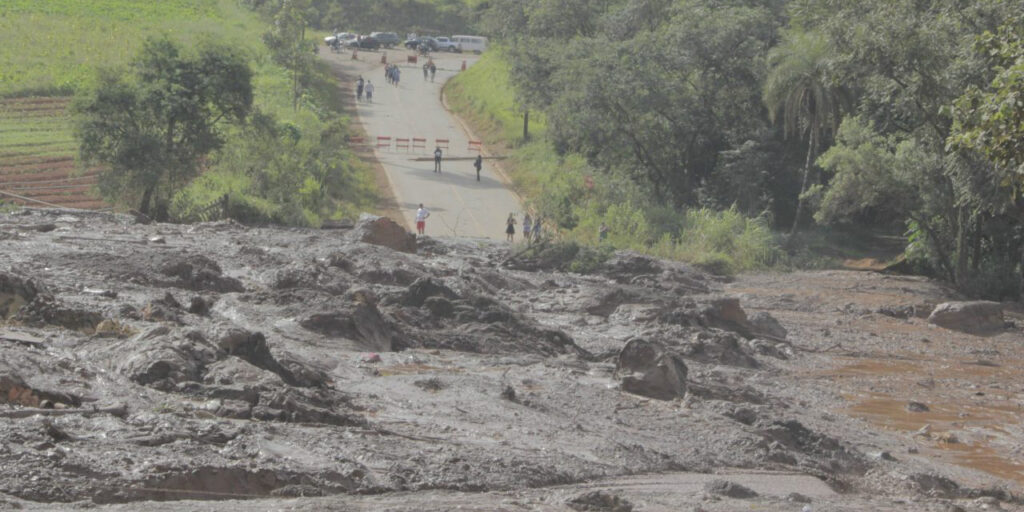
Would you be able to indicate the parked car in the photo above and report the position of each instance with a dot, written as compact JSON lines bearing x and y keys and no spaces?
{"x":364,"y":43}
{"x":446,"y":44}
{"x":340,"y":39}
{"x":475,"y":44}
{"x":422,"y":42}
{"x":386,"y":39}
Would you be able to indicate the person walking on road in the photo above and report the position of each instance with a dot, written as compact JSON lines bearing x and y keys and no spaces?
{"x":369,"y":91}
{"x":426,"y":69}
{"x":510,"y":227}
{"x":527,"y":224}
{"x":359,"y":89}
{"x":397,"y":74}
{"x":479,"y":164}
{"x":433,"y":70}
{"x":437,"y":159}
{"x":421,"y":220}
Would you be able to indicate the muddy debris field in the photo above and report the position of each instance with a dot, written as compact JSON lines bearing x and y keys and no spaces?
{"x":224,"y":367}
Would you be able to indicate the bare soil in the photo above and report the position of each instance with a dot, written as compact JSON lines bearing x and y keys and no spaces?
{"x":247,"y":368}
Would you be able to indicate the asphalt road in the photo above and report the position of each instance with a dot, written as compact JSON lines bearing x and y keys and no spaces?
{"x":458,"y":204}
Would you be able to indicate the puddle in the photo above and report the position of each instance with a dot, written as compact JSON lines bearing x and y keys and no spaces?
{"x":962,"y":402}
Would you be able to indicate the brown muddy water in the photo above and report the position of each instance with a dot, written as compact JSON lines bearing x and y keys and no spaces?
{"x":970,"y":421}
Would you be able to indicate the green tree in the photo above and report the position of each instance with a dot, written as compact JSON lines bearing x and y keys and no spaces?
{"x":991,"y":120}
{"x":287,"y":42}
{"x":153,"y":124}
{"x":803,"y":93}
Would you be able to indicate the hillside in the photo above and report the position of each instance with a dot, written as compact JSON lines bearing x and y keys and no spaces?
{"x":50,"y":49}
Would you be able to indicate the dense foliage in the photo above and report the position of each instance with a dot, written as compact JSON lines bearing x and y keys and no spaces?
{"x":153,"y":124}
{"x":287,"y":161}
{"x":867,"y":112}
{"x":364,"y":16}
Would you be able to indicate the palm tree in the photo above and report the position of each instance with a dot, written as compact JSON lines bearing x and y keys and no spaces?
{"x":799,"y":89}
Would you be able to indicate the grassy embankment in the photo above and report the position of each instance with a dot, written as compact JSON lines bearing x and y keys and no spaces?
{"x":567,"y":192}
{"x":51,"y":49}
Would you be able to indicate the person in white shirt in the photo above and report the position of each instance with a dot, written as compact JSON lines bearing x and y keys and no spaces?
{"x":369,"y":91}
{"x":421,"y":219}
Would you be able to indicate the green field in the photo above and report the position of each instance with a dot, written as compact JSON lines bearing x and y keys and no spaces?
{"x":51,"y":47}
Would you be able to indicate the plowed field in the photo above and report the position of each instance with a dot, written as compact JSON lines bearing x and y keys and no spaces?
{"x":37,"y":156}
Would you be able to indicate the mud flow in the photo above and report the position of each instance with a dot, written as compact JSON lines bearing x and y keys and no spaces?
{"x":367,"y":369}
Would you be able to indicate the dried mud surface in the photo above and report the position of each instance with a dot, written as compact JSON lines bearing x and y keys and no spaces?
{"x":222,"y":367}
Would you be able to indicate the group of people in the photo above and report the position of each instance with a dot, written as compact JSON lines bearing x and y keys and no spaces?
{"x":429,"y":68}
{"x":478,"y":164}
{"x":364,"y":86}
{"x":531,"y":228}
{"x":392,"y":74}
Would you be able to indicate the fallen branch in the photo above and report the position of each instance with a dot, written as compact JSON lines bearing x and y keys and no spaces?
{"x":120,"y":411}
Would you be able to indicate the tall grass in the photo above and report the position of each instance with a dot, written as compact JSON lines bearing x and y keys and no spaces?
{"x":484,"y":95}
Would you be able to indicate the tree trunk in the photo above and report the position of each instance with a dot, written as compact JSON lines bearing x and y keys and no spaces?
{"x":811,"y":143}
{"x":147,"y":196}
{"x":960,"y":275}
{"x":526,"y":125}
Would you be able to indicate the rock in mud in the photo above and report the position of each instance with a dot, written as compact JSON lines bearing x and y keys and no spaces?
{"x":383,"y":231}
{"x":717,"y":347}
{"x":729,"y":489}
{"x":650,"y":369}
{"x":971,"y":317}
{"x":355,"y":317}
{"x":197,"y":272}
{"x":600,"y":501}
{"x":160,"y":359}
{"x":765,"y":324}
{"x":726,"y":313}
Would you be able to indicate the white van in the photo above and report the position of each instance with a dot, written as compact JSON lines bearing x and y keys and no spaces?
{"x":475,"y":44}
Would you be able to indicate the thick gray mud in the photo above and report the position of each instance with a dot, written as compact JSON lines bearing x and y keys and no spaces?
{"x":306,"y":370}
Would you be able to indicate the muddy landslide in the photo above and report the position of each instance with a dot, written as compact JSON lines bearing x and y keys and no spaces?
{"x":224,"y":367}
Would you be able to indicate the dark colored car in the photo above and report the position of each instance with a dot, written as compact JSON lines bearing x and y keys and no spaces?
{"x":422,"y":42}
{"x":364,"y":43}
{"x":387,"y":39}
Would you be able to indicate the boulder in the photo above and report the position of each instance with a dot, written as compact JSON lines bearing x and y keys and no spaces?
{"x":729,"y":489}
{"x":161,"y":359}
{"x":764,"y":324}
{"x":726,"y":313}
{"x":372,"y":229}
{"x":355,"y":317}
{"x":971,"y":316}
{"x":650,"y":369}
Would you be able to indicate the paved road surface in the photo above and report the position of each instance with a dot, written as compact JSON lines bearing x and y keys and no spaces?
{"x":459,"y":204}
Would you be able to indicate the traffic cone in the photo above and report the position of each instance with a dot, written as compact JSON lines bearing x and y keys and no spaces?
{"x":463,"y":65}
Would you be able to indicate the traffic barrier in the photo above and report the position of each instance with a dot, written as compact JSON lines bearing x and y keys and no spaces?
{"x":411,"y":59}
{"x":383,"y":142}
{"x":418,"y":143}
{"x":402,"y":144}
{"x":475,"y":145}
{"x":441,"y":143}
{"x":356,"y":141}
